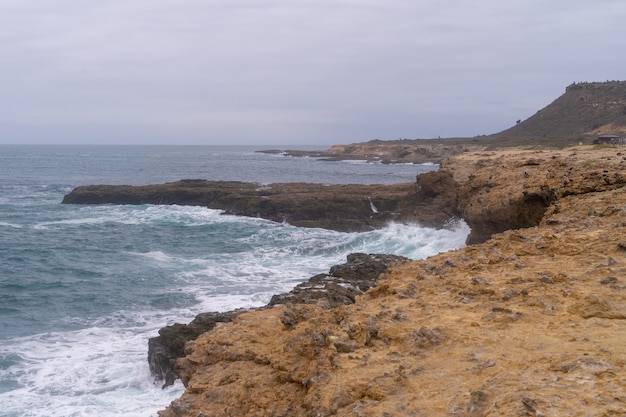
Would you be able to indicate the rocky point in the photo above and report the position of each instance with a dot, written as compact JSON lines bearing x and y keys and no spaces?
{"x":528,"y":322}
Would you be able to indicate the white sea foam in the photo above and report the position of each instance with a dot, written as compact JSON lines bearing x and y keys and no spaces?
{"x":355,"y":161}
{"x":102,"y":370}
{"x":15,"y":226}
{"x":296,"y":254}
{"x":415,"y":242}
{"x":142,"y":215}
{"x":95,"y":371}
{"x":157,"y":256}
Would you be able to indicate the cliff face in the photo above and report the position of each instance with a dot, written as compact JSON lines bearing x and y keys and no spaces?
{"x":491,"y":191}
{"x":506,"y":190}
{"x":530,"y":322}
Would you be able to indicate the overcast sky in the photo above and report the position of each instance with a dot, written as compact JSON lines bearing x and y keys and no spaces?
{"x":293,"y":71}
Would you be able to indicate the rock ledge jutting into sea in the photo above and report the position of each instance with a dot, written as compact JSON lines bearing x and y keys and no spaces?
{"x":431,"y":201}
{"x":341,"y":285}
{"x":529,"y":322}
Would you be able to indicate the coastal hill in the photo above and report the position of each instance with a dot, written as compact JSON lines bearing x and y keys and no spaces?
{"x":582,"y":113}
{"x":528,"y":323}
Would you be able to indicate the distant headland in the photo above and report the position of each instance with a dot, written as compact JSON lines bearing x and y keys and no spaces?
{"x":579,"y":116}
{"x":527,"y":320}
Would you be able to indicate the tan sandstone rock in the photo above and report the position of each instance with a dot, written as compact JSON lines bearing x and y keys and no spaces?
{"x":529,"y":323}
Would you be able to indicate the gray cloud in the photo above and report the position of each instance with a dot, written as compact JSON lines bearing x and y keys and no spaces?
{"x":288,"y":72}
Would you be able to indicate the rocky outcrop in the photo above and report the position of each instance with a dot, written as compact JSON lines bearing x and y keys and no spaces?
{"x":507,"y":190}
{"x":340,"y":286}
{"x":491,"y":191}
{"x":530,"y":322}
{"x":584,"y":111}
{"x":169,"y":345}
{"x":351,"y":207}
{"x":416,"y":151}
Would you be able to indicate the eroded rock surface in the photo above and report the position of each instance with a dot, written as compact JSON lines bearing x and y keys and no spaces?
{"x":169,"y":345}
{"x":507,"y":190}
{"x":341,"y":285}
{"x":529,"y":323}
{"x":491,"y":191}
{"x":352,"y":207}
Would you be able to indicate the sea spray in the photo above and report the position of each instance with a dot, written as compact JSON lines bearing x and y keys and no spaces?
{"x":84,"y":287}
{"x":100,"y":368}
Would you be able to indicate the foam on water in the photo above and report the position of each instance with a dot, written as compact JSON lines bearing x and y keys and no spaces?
{"x":84,"y":287}
{"x":143,"y":214}
{"x":92,"y":372}
{"x":102,"y":368}
{"x":15,"y":226}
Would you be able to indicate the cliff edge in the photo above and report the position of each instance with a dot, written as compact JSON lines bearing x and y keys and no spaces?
{"x":528,"y":323}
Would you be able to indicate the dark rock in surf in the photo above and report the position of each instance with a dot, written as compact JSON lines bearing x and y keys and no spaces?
{"x":340,"y":286}
{"x":169,"y":345}
{"x":345,"y":208}
{"x":343,"y":283}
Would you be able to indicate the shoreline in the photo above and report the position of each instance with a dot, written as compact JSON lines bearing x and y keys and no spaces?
{"x":339,"y":286}
{"x":344,"y":208}
{"x":454,"y":315}
{"x":415,"y":152}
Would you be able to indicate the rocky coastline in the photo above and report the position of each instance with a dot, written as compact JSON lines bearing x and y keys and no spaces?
{"x":346,"y":208}
{"x":341,"y":285}
{"x":416,"y":151}
{"x":526,"y":320}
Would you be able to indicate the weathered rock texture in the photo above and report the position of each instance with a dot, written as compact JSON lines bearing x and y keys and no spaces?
{"x":491,"y":191}
{"x":506,"y":190}
{"x":529,"y":323}
{"x":336,"y":207}
{"x":416,"y":151}
{"x":169,"y":345}
{"x":341,"y":285}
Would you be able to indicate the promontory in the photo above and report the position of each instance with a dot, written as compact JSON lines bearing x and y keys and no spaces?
{"x":529,"y":319}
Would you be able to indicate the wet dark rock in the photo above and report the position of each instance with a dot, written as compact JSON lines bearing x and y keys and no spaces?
{"x":340,"y":286}
{"x":347,"y":207}
{"x":343,"y":283}
{"x":164,"y":349}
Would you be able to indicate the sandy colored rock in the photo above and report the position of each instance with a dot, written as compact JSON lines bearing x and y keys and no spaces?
{"x":340,"y":285}
{"x":530,"y":323}
{"x":512,"y":189}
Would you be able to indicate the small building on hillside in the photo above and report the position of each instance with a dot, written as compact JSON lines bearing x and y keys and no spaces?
{"x":610,"y":140}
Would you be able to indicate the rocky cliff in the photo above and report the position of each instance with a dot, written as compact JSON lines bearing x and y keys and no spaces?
{"x":341,"y":285}
{"x":529,"y":323}
{"x":583,"y":112}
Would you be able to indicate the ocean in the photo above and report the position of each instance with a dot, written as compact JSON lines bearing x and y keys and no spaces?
{"x":83,"y":288}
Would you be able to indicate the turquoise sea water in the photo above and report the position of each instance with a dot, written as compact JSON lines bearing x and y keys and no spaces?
{"x":83,"y":287}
